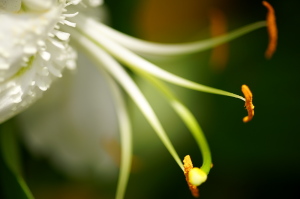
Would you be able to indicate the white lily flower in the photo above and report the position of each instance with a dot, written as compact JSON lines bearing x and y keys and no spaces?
{"x":35,"y":50}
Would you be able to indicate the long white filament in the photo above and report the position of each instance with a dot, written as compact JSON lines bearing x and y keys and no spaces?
{"x":125,"y":136}
{"x":158,"y":49}
{"x":121,"y":76}
{"x":137,"y":63}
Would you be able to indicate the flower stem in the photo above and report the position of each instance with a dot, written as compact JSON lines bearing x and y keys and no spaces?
{"x":121,"y":76}
{"x":126,"y":137}
{"x":189,"y":120}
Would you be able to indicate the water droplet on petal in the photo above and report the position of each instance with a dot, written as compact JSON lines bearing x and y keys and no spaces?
{"x":43,"y":82}
{"x":4,"y":66}
{"x":54,"y":71}
{"x":30,"y":50}
{"x":45,"y":55}
{"x":43,"y":71}
{"x":16,"y":94}
{"x":62,"y":35}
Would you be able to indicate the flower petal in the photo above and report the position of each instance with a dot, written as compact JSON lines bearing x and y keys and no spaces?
{"x":29,"y":59}
{"x":10,"y":5}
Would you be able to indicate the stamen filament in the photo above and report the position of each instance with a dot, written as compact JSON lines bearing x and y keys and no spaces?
{"x":125,"y":137}
{"x":189,"y":120}
{"x":121,"y":76}
{"x":158,"y":49}
{"x":137,"y":63}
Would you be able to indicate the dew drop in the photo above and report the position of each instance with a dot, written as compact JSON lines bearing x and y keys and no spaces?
{"x":43,"y":71}
{"x":45,"y":55}
{"x":30,"y":50}
{"x":16,"y":94}
{"x":62,"y":35}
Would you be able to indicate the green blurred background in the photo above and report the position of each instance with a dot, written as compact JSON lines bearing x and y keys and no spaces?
{"x":260,"y":159}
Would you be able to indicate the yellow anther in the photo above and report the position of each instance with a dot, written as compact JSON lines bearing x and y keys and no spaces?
{"x":193,"y":175}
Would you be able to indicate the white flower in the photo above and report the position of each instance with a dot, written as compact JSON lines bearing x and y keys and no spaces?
{"x":35,"y":50}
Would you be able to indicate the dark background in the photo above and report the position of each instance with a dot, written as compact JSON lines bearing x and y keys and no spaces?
{"x":260,"y":159}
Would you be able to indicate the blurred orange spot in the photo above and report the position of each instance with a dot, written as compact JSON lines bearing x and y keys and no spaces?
{"x":170,"y":21}
{"x":67,"y":190}
{"x":218,"y":26}
{"x":188,"y":165}
{"x":272,"y":30}
{"x":248,"y":103}
{"x":112,"y":147}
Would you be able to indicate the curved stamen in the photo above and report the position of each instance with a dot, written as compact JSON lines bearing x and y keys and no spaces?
{"x":137,"y":63}
{"x":158,"y":49}
{"x":125,"y":137}
{"x":122,"y":77}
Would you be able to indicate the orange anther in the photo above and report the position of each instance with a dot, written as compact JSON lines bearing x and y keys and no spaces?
{"x":272,"y":30}
{"x":188,"y":165}
{"x":248,"y":103}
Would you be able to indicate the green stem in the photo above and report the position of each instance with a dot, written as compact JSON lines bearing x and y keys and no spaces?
{"x":126,"y":137}
{"x":121,"y":76}
{"x":14,"y":183}
{"x":189,"y":120}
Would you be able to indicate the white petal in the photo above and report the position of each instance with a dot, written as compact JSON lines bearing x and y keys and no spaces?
{"x":10,"y":5}
{"x":38,"y":5}
{"x":57,"y":126}
{"x":62,"y":35}
{"x":72,"y":24}
{"x":21,"y":36}
{"x":71,"y":15}
{"x":45,"y":55}
{"x":32,"y":61}
{"x":95,"y":3}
